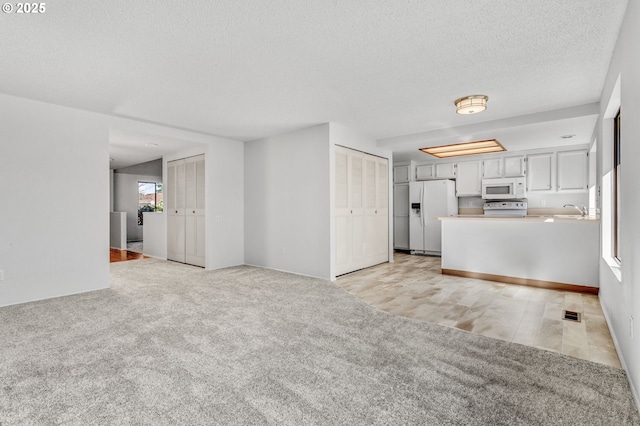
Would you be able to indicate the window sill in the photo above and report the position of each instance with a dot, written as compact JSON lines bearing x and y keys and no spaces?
{"x":615,"y":267}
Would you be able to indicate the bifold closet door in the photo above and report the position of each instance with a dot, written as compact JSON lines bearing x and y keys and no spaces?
{"x":194,"y":212}
{"x":380,"y":252}
{"x":361,"y":210}
{"x":342,"y":212}
{"x":185,"y":206}
{"x":175,"y":208}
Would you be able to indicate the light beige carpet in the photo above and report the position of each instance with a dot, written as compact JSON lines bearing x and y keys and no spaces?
{"x":172,"y":344}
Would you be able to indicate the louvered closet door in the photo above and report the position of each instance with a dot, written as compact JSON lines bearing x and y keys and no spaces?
{"x":381,"y":250}
{"x":342,"y":212}
{"x":175,"y":208}
{"x":357,"y":210}
{"x":377,"y":210}
{"x":194,"y":212}
{"x":361,"y":210}
{"x":371,"y":235}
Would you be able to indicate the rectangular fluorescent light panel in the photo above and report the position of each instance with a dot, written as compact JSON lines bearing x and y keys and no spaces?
{"x":466,"y":148}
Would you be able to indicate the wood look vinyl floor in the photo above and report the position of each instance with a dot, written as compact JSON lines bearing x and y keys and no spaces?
{"x":414,"y":287}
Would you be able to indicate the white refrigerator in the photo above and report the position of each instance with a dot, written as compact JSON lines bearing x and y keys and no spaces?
{"x":429,"y":200}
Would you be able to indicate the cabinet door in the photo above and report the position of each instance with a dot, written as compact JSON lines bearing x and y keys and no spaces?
{"x":572,"y":171}
{"x":446,"y":171}
{"x":401,"y":200}
{"x":491,"y":168}
{"x":401,"y":216}
{"x":469,"y":179}
{"x":514,"y":166}
{"x":401,"y":174}
{"x":424,"y":172}
{"x":541,"y":172}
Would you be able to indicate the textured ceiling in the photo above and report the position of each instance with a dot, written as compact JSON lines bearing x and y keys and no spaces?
{"x":246,"y":69}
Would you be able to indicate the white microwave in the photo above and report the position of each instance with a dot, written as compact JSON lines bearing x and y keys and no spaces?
{"x":503,"y":188}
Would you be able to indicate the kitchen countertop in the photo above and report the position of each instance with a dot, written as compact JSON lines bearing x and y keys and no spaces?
{"x":528,"y":218}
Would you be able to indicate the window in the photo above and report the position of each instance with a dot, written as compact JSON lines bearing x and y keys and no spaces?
{"x":616,"y":187}
{"x":149,"y":198}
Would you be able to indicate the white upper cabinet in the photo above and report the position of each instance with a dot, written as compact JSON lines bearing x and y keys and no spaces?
{"x":560,"y":171}
{"x":402,"y":174}
{"x":506,"y":166}
{"x":425,"y":172}
{"x":446,"y":171}
{"x":541,"y":176}
{"x":491,"y":168}
{"x":550,"y":170}
{"x":514,"y":166}
{"x":572,"y":171}
{"x":469,"y":179}
{"x":436,"y":171}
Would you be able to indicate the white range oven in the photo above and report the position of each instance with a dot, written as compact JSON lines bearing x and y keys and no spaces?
{"x":512,"y":208}
{"x":503,"y":188}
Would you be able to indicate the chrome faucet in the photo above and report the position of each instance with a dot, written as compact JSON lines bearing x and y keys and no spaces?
{"x":582,"y":209}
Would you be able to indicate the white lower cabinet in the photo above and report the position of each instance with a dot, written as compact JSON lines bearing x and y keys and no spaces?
{"x":361,"y":210}
{"x":185,"y":207}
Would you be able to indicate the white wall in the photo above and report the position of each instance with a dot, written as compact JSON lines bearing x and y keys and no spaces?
{"x":54,"y":201}
{"x":55,"y":198}
{"x":118,"y":230}
{"x":620,"y":298}
{"x":225,"y":199}
{"x":286,"y":192}
{"x":154,"y":233}
{"x":126,"y":200}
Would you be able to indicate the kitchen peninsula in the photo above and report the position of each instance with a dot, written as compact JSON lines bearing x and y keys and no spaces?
{"x":559,"y":252}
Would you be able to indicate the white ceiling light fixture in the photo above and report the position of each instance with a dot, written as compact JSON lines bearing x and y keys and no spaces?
{"x":151,"y":145}
{"x":466,"y":148}
{"x":471,"y":104}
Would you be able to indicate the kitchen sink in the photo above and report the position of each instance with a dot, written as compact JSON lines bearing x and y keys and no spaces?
{"x":560,"y":216}
{"x":570,"y":216}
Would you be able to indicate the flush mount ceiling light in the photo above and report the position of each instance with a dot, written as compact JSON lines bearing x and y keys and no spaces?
{"x":471,"y":104}
{"x":466,"y":148}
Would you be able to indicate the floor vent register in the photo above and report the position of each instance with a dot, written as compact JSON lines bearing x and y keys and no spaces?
{"x":571,"y":316}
